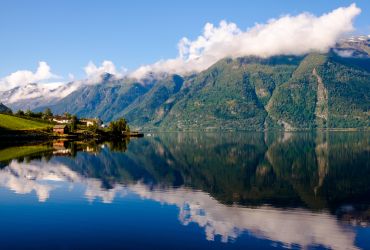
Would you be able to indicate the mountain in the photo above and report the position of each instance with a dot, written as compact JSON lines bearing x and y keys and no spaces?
{"x":232,"y":94}
{"x":33,"y":95}
{"x":4,"y":109}
{"x":324,"y":91}
{"x":354,"y":46}
{"x":153,"y":106}
{"x":248,"y":93}
{"x":104,"y":100}
{"x":316,"y":90}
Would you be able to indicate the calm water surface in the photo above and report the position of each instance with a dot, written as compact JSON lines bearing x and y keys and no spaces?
{"x":189,"y":191}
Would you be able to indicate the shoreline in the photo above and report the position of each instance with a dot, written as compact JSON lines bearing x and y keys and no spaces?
{"x":41,"y":135}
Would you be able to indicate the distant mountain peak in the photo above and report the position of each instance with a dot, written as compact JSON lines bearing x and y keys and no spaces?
{"x":106,"y":77}
{"x":4,"y":109}
{"x":354,"y":46}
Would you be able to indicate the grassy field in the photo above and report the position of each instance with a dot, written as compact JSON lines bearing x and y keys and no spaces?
{"x":16,"y":152}
{"x":10,"y":122}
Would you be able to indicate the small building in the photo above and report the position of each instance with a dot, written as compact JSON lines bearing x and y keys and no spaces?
{"x":90,"y":122}
{"x":61,"y":120}
{"x":60,"y":129}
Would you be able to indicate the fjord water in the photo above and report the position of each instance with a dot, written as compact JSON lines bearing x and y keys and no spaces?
{"x":189,"y":191}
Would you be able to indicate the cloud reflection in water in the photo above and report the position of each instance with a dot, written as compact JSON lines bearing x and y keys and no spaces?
{"x":287,"y":226}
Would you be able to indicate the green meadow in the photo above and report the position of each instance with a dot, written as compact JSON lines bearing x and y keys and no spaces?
{"x":10,"y":122}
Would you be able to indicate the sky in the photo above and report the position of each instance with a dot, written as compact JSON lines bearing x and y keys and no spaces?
{"x":72,"y":39}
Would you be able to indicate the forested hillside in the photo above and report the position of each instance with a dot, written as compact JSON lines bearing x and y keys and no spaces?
{"x":248,"y":93}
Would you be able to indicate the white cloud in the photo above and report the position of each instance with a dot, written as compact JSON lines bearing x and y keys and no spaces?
{"x":288,"y":35}
{"x":42,"y":90}
{"x":291,"y":227}
{"x":94,"y":73}
{"x":24,"y":77}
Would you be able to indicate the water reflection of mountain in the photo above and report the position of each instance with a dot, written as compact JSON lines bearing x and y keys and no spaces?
{"x":311,"y":170}
{"x":322,"y":170}
{"x":225,"y":183}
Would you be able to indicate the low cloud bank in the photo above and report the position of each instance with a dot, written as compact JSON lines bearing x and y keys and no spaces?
{"x":288,"y":35}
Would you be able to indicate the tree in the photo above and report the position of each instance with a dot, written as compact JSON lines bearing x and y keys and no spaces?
{"x":93,"y":128}
{"x":20,"y":113}
{"x":28,"y":113}
{"x":47,"y":113}
{"x":74,"y":122}
{"x":119,"y":127}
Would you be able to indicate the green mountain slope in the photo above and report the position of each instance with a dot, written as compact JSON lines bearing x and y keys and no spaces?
{"x":293,"y":103}
{"x":231,"y":94}
{"x":349,"y":93}
{"x":248,"y":93}
{"x":103,"y":100}
{"x":151,"y":107}
{"x":323,"y":92}
{"x":315,"y":91}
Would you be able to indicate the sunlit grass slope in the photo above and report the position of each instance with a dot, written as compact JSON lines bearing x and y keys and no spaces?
{"x":10,"y":122}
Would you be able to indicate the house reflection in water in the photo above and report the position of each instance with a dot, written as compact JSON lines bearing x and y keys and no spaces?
{"x":61,"y":149}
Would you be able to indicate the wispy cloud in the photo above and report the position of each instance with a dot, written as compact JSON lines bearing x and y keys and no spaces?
{"x":287,"y":35}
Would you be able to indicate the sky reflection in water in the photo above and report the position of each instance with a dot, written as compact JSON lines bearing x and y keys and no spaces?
{"x":301,"y":190}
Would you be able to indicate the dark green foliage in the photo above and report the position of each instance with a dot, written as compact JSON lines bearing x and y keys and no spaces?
{"x":47,"y":114}
{"x":73,"y":124}
{"x":31,"y":114}
{"x":68,"y":115}
{"x":230,"y":95}
{"x":20,"y":113}
{"x":119,"y":127}
{"x":347,"y":86}
{"x":294,"y":102}
{"x":349,"y":95}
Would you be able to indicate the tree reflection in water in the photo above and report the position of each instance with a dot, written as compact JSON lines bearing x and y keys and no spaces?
{"x":293,"y":188}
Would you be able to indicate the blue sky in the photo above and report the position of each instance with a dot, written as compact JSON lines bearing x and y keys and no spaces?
{"x":68,"y":34}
